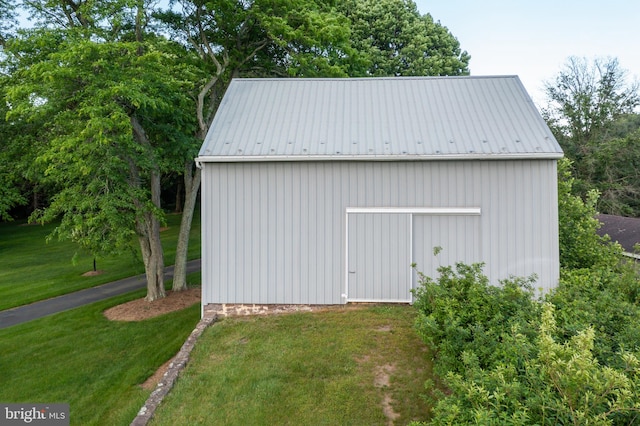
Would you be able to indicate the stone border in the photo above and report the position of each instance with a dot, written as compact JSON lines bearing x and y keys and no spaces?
{"x":239,"y":310}
{"x":178,"y":364}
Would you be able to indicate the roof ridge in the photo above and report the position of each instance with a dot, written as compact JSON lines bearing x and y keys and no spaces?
{"x":395,"y":78}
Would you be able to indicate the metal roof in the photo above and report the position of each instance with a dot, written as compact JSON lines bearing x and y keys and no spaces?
{"x":396,"y":118}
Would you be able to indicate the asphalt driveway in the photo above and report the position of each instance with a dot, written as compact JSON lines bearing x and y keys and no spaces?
{"x":65,"y":302}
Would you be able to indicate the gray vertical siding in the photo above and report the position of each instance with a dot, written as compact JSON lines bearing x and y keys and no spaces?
{"x":379,"y":253}
{"x":274,"y":232}
{"x":458,"y":237}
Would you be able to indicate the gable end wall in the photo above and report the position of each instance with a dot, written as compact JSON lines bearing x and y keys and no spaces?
{"x":274,"y":232}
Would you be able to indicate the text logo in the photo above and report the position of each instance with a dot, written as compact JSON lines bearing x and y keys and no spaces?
{"x":34,"y":414}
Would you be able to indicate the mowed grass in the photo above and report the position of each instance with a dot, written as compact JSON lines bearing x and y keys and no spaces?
{"x":339,"y":367}
{"x":32,"y":269}
{"x":96,"y":365}
{"x":79,"y":357}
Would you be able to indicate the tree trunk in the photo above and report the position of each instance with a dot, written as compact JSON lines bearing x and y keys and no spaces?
{"x":191,"y":185}
{"x":151,"y":246}
{"x":179,"y":191}
{"x":147,"y":222}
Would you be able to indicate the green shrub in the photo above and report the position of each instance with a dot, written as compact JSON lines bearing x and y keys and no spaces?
{"x":506,"y":359}
{"x":503,"y":359}
{"x":557,"y":384}
{"x":462,"y":313}
{"x":605,"y":300}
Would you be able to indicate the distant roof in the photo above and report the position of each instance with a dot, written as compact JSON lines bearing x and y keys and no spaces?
{"x":624,"y":230}
{"x":395,"y":118}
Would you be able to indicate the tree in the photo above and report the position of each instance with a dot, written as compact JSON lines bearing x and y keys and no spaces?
{"x":396,"y":40}
{"x":7,"y":19}
{"x":114,"y":108}
{"x":584,"y":100}
{"x":580,"y":244}
{"x":616,"y":172}
{"x":10,"y":195}
{"x":259,"y":38}
{"x":590,"y":111}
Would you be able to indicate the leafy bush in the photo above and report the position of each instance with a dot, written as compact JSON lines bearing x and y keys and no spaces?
{"x":463,"y":314}
{"x":560,"y":383}
{"x":604,"y":299}
{"x":504,"y":359}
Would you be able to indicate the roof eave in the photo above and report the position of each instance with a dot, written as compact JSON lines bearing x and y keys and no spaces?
{"x":359,"y":157}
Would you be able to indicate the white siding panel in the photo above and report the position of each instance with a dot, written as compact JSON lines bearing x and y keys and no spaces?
{"x":458,"y":237}
{"x":275,"y":232}
{"x":379,"y":257}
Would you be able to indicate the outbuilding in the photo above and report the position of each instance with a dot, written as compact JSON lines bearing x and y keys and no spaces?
{"x":325,"y":191}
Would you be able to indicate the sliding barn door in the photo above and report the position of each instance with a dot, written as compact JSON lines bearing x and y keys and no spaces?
{"x":379,"y":258}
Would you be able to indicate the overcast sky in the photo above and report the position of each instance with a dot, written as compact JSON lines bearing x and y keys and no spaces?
{"x":533,"y":38}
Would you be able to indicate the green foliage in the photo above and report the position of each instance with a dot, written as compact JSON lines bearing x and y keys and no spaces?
{"x":557,"y":383}
{"x":396,"y":40}
{"x":608,"y":300}
{"x":84,"y":95}
{"x":592,"y":111}
{"x":263,"y":38}
{"x":511,"y":360}
{"x":7,"y":19}
{"x":10,"y":195}
{"x":506,"y":359}
{"x":10,"y":160}
{"x":463,"y":317}
{"x":616,"y":169}
{"x":580,"y":245}
{"x":586,"y":97}
{"x":308,"y":37}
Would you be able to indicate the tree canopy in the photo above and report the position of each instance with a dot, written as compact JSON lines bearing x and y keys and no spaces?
{"x":395,"y":40}
{"x":593,"y":113}
{"x":586,"y":98}
{"x":113,"y":114}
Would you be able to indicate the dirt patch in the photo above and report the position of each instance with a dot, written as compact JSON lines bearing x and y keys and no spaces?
{"x":153,"y":380}
{"x":383,"y":375}
{"x":388,"y":410}
{"x":382,"y":379}
{"x":93,"y":273}
{"x":140,"y":309}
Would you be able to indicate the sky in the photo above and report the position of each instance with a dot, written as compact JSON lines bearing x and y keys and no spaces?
{"x":534,"y":38}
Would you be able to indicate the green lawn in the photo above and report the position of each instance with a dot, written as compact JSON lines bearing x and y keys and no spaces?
{"x":32,"y":269}
{"x":79,"y":357}
{"x":327,"y":368}
{"x":96,"y":365}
